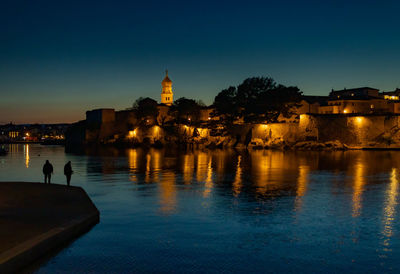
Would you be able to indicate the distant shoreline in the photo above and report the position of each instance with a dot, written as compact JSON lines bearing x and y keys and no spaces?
{"x":34,"y":142}
{"x":21,"y":142}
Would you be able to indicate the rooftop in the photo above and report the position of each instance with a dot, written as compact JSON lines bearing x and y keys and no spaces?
{"x":355,"y":89}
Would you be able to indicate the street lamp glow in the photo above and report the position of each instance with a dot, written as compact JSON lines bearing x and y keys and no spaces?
{"x":132,"y":133}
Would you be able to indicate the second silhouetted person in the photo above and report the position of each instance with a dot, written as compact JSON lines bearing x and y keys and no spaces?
{"x":47,"y":171}
{"x":68,"y":172}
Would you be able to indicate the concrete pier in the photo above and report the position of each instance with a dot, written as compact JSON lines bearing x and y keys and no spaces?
{"x":36,"y":218}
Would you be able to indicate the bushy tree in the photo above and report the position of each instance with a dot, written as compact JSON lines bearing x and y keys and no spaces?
{"x":145,"y":109}
{"x":257,"y":99}
{"x":225,"y":104}
{"x":250,"y":90}
{"x":185,"y":110}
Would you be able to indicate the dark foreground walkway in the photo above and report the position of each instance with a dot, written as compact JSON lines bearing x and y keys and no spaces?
{"x":36,"y":218}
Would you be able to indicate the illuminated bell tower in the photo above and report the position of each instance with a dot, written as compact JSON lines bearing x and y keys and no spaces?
{"x":167,"y":96}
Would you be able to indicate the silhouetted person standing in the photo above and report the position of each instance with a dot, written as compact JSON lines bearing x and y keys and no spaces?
{"x":68,"y":172}
{"x":47,"y":171}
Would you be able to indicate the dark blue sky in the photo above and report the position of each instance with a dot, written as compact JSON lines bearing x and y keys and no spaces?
{"x":61,"y":58}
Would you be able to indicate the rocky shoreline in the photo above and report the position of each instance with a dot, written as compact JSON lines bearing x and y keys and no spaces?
{"x":255,"y":144}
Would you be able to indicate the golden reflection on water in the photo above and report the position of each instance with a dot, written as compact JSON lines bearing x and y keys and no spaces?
{"x":188,"y":168}
{"x":270,"y":173}
{"x":133,"y":164}
{"x":302,"y":181}
{"x":204,"y":172}
{"x":261,"y":169}
{"x":268,"y":170}
{"x":152,"y":161}
{"x":209,"y":182}
{"x":202,"y":165}
{"x":358,"y":188}
{"x":147,"y":177}
{"x":156,"y":164}
{"x":237,"y":183}
{"x":389,"y":211}
{"x":167,"y":190}
{"x":26,"y":149}
{"x":14,"y":148}
{"x":220,"y":161}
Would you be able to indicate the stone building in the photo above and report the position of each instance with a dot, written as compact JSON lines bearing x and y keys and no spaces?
{"x":392,"y":95}
{"x":311,"y":104}
{"x":364,"y":100}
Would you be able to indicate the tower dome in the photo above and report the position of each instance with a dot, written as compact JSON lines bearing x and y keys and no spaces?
{"x":166,"y":79}
{"x":166,"y":93}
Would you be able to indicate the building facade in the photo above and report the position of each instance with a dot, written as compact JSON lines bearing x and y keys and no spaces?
{"x":363,"y":100}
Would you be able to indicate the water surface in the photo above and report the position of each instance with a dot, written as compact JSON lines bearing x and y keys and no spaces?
{"x":226,"y":211}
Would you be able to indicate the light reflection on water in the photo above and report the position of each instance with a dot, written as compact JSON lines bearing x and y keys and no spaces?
{"x":207,"y":211}
{"x":359,"y":181}
{"x":389,"y":212}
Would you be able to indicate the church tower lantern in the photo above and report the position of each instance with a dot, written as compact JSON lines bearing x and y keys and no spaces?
{"x":167,"y":96}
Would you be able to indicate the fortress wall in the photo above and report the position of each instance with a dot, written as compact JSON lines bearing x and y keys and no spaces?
{"x":276,"y":131}
{"x":331,"y":128}
{"x":153,"y":134}
{"x":357,"y":130}
{"x":354,"y":130}
{"x":125,"y":120}
{"x":307,"y":128}
{"x":350,"y":130}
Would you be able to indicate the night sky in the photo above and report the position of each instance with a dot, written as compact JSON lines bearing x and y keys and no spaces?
{"x":61,"y":58}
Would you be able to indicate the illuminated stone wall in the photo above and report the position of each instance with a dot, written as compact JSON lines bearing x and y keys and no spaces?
{"x":361,"y":131}
{"x":124,"y":121}
{"x":188,"y":131}
{"x":358,"y":130}
{"x":103,"y":126}
{"x":264,"y":134}
{"x":151,"y":134}
{"x":307,"y":128}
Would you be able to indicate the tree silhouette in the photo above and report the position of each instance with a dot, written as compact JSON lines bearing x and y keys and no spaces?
{"x":257,"y":99}
{"x":145,"y":109}
{"x":185,"y":110}
{"x":225,"y":105}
